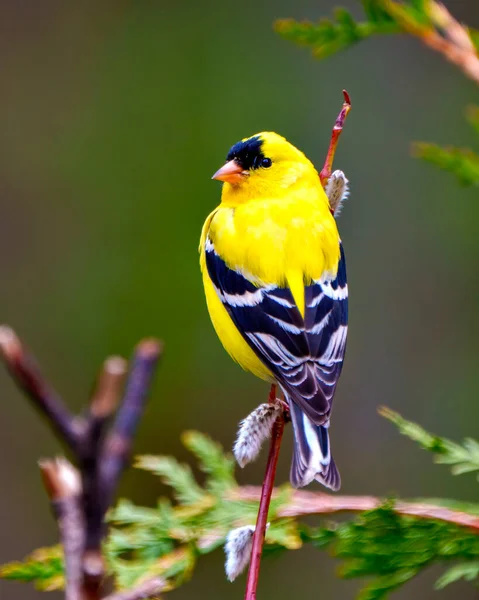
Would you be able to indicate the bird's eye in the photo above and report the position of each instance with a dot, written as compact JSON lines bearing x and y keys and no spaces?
{"x":266,"y":163}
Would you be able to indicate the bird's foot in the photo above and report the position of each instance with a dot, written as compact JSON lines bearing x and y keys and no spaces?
{"x":284,"y":407}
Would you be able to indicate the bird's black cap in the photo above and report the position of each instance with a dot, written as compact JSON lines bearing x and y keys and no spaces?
{"x":248,"y":153}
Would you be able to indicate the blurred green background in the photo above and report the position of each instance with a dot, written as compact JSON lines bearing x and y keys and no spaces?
{"x":113,"y":117}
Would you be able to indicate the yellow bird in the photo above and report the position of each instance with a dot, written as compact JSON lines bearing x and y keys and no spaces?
{"x":275,"y":282}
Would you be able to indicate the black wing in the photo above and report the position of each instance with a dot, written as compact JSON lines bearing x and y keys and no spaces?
{"x":304,"y":354}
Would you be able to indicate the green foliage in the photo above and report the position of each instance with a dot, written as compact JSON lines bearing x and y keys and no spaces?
{"x":467,"y":571}
{"x":462,"y":163}
{"x":330,"y":36}
{"x":212,"y":460}
{"x":44,"y":568}
{"x":421,"y":18}
{"x":463,"y":458}
{"x":474,"y":34}
{"x":382,"y":545}
{"x":392,"y":549}
{"x":177,"y":476}
{"x":473,"y":117}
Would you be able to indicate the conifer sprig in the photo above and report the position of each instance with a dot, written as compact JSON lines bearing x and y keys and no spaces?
{"x":387,"y":541}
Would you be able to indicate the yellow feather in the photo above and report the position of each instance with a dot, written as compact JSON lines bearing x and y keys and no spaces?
{"x":230,"y":337}
{"x":296,"y":285}
{"x":276,"y":227}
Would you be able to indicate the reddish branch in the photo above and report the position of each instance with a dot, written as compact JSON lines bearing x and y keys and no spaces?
{"x":264,"y":502}
{"x":447,"y":36}
{"x":333,"y":143}
{"x":278,"y":428}
{"x":81,"y":498}
{"x":148,"y":589}
{"x":317,"y":503}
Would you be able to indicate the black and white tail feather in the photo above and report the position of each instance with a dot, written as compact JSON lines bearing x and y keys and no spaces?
{"x":304,"y":354}
{"x":312,"y":455}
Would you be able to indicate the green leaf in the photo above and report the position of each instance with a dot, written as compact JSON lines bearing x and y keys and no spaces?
{"x":178,"y":565}
{"x":330,"y":36}
{"x":392,"y":548}
{"x":415,"y":432}
{"x":468,"y":571}
{"x":44,"y":568}
{"x":381,"y":586}
{"x":212,"y":460}
{"x":347,"y":25}
{"x":462,"y":163}
{"x":127,"y":513}
{"x":419,"y":6}
{"x":322,"y":537}
{"x":463,"y":459}
{"x":375,"y":13}
{"x":474,"y":35}
{"x":473,"y":117}
{"x":174,"y":474}
{"x":284,"y":533}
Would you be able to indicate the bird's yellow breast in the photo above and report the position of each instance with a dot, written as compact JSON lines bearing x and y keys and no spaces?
{"x":287,"y":241}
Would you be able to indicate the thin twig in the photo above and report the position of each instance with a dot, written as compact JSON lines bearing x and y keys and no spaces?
{"x":265,"y":500}
{"x":148,"y":589}
{"x":318,"y":503}
{"x":333,"y":143}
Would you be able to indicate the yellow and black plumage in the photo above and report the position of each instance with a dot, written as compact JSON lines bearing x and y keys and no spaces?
{"x":275,"y":282}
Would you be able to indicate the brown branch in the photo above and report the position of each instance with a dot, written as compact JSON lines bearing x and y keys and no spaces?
{"x":264,"y":502}
{"x":24,"y":370}
{"x":304,"y":503}
{"x":117,"y":447}
{"x":106,"y":394}
{"x":148,"y":589}
{"x":101,"y":457}
{"x":454,"y":41}
{"x":63,"y":485}
{"x":466,"y":60}
{"x":103,"y":403}
{"x":112,"y":457}
{"x":333,"y":143}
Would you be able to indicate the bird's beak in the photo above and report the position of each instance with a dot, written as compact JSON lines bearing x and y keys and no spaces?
{"x":232,"y":172}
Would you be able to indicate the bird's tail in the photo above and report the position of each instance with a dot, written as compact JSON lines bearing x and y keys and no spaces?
{"x":312,"y":454}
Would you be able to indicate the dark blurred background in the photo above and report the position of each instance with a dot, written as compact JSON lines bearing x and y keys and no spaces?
{"x":113,"y":117}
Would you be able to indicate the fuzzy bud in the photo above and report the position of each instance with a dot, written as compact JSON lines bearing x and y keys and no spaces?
{"x":337,"y":190}
{"x":254,"y":430}
{"x":239,"y":543}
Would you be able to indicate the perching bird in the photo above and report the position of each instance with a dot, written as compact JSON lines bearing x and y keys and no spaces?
{"x":275,"y":282}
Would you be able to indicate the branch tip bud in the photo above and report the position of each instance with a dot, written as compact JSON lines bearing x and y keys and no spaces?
{"x":254,"y":430}
{"x":239,"y":543}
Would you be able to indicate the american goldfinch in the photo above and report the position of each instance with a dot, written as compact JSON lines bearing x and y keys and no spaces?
{"x":275,"y":282}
